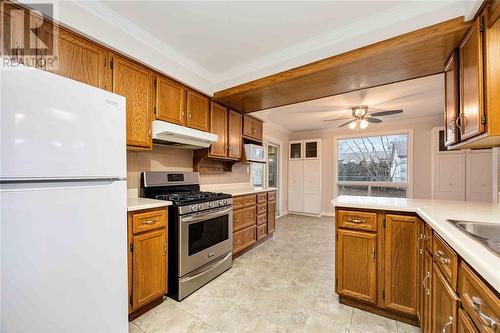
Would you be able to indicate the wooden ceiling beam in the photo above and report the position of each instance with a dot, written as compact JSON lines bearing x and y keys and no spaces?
{"x":415,"y":54}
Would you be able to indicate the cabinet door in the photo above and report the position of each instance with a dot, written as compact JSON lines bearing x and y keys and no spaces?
{"x":295,"y":186}
{"x":18,"y":43}
{"x":420,"y":269}
{"x":73,"y":57}
{"x":426,"y":283}
{"x":449,"y":176}
{"x":149,"y":267}
{"x":135,"y":83}
{"x":197,"y":111}
{"x":258,"y":126}
{"x":295,"y":150}
{"x":271,"y":216}
{"x":357,"y":265}
{"x":465,"y":324}
{"x":252,"y":128}
{"x":311,"y":179}
{"x":479,"y":182}
{"x":444,"y":304}
{"x":218,"y":125}
{"x":311,"y":149}
{"x":471,"y":81}
{"x":451,"y":100}
{"x":401,"y":263}
{"x":170,"y":101}
{"x":234,"y":134}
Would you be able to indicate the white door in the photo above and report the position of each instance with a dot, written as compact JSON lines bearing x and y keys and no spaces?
{"x":295,"y":186}
{"x":64,"y":257}
{"x":479,"y":176}
{"x":449,"y":176}
{"x":312,"y":186}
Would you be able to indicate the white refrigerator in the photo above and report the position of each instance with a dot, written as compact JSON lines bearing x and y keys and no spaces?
{"x":63,"y":227}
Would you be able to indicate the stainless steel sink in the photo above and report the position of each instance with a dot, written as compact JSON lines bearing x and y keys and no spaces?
{"x":486,"y":233}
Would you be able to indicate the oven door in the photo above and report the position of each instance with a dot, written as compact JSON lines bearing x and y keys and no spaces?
{"x":204,"y":236}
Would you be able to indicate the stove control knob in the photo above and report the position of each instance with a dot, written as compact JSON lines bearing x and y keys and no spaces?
{"x":220,"y":203}
{"x":200,"y":207}
{"x":225,"y":202}
{"x":193,"y":207}
{"x":210,"y":205}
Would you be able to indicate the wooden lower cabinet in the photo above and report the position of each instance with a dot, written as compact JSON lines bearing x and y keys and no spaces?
{"x":465,"y":324}
{"x":400,"y":261}
{"x":147,"y":259}
{"x":426,"y":294}
{"x":444,"y":304}
{"x":356,"y":265}
{"x":253,"y":220}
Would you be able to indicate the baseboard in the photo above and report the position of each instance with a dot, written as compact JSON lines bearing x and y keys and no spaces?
{"x":305,"y":214}
{"x":331,"y":214}
{"x":282,"y":214}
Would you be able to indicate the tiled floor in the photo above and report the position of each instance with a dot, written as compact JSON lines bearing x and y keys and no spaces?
{"x":283,"y":285}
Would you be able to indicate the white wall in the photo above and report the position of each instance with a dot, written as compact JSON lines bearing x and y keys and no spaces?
{"x":421,"y":154}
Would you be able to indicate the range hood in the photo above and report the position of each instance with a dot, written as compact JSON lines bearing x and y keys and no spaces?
{"x":180,"y":136}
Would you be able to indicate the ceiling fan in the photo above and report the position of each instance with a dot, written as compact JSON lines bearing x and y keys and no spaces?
{"x":362,"y":118}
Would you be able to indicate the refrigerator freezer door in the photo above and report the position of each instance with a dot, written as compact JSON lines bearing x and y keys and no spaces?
{"x":63,"y":257}
{"x":52,"y":127}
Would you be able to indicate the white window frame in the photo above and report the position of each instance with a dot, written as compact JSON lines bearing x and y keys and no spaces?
{"x":409,"y":187}
{"x":281,"y":163}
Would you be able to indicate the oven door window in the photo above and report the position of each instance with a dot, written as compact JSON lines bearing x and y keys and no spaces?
{"x":205,"y":234}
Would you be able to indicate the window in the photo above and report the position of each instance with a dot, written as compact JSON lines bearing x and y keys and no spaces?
{"x":373,"y":165}
{"x":257,"y":172}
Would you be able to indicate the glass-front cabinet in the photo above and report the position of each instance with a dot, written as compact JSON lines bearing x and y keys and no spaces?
{"x":304,"y":149}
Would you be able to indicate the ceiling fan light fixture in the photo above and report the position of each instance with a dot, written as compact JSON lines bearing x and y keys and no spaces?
{"x":360,"y":111}
{"x":353,"y":125}
{"x":363,"y":123}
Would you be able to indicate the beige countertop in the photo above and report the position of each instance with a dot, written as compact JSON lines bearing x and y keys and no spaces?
{"x":137,"y":203}
{"x":236,"y":189}
{"x":436,"y":213}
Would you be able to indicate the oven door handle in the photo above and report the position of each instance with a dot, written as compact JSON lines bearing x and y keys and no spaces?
{"x":201,"y":216}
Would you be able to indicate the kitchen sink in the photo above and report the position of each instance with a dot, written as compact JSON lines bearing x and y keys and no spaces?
{"x":486,"y":233}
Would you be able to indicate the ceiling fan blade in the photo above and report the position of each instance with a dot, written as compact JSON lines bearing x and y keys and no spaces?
{"x":347,"y":123}
{"x":338,"y":118}
{"x":373,"y":120}
{"x":385,"y":113}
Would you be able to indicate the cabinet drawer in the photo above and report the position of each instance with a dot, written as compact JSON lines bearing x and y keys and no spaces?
{"x":446,"y":259}
{"x":148,"y":220}
{"x":244,"y":238}
{"x":465,"y":324}
{"x":261,"y":231}
{"x":261,"y":219}
{"x":244,"y":201}
{"x":261,"y":197}
{"x":271,"y":196}
{"x":262,"y":209}
{"x":357,"y":220}
{"x":479,"y":301}
{"x":243,"y":218}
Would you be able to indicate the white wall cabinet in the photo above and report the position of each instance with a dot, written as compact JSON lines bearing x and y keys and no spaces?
{"x":304,"y":177}
{"x":462,"y":174}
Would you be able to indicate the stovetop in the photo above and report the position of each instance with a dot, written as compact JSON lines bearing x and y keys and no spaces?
{"x":191,"y":197}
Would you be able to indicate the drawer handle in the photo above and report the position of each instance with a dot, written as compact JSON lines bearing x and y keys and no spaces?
{"x":442,"y":258}
{"x":355,"y":220}
{"x":164,"y":248}
{"x":236,"y":242}
{"x":417,"y":244}
{"x":237,"y":221}
{"x":147,"y":222}
{"x":424,"y":283}
{"x":448,"y":324}
{"x":373,"y":254}
{"x":487,"y":321}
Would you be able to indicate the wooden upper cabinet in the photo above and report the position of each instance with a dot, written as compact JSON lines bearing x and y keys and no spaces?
{"x":19,"y":43}
{"x":451,"y":100}
{"x":218,"y":125}
{"x":471,"y":81}
{"x":170,"y":101}
{"x":401,"y":258}
{"x":356,"y":266}
{"x":149,"y":267}
{"x":197,"y":111}
{"x":136,"y":84}
{"x":252,"y":128}
{"x":444,"y":304}
{"x":235,"y":121}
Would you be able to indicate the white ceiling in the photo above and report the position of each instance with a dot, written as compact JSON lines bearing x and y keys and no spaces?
{"x":419,"y":98}
{"x":232,"y":42}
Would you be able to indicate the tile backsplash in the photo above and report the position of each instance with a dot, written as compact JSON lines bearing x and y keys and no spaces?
{"x":166,"y":158}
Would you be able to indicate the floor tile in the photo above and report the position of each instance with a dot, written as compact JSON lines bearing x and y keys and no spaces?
{"x":319,"y":323}
{"x":369,"y":322}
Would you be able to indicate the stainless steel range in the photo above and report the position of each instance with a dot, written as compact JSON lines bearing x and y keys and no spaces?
{"x":199,"y":229}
